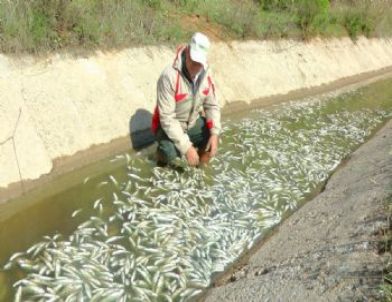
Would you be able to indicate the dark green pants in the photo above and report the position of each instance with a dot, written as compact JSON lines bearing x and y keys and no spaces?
{"x":198,"y":134}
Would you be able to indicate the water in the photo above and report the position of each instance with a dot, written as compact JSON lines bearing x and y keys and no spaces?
{"x":127,"y":230}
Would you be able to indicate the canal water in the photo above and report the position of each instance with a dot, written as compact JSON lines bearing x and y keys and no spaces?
{"x":126,"y":230}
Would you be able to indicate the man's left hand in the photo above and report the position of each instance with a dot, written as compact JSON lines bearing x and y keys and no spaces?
{"x":212,"y":145}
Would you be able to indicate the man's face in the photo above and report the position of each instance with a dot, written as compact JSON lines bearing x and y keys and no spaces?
{"x":193,"y":67}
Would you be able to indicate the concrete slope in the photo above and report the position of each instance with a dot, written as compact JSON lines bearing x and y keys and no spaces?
{"x":70,"y":104}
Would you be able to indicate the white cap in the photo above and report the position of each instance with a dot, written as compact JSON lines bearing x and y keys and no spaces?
{"x":199,"y":46}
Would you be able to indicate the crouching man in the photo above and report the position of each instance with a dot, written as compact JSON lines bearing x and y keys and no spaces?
{"x":186,"y":120}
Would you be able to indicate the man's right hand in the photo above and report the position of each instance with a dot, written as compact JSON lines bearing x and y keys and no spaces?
{"x":192,"y":157}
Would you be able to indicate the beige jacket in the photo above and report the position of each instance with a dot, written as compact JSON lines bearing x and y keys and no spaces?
{"x":178,"y":107}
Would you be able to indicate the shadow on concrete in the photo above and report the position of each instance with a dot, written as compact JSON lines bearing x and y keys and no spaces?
{"x":140,"y":129}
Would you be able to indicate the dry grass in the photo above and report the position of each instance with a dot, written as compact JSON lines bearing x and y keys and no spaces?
{"x":49,"y":25}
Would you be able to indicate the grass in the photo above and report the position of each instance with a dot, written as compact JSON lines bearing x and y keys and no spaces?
{"x":386,"y":287}
{"x":49,"y":25}
{"x":42,"y":25}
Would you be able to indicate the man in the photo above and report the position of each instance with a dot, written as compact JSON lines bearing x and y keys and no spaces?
{"x":186,"y":120}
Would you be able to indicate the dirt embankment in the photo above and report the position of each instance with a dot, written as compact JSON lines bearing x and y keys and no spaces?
{"x":330,"y":249}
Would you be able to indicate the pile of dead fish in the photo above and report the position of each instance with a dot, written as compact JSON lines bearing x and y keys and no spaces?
{"x":160,"y":237}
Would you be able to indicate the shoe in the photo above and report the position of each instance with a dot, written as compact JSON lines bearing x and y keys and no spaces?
{"x":161,"y":162}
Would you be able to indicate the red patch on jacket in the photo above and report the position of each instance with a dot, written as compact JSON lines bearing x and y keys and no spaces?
{"x":155,"y":121}
{"x":210,"y":124}
{"x":180,"y":97}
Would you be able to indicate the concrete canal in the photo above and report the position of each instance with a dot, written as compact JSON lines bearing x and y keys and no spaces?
{"x":126,"y":230}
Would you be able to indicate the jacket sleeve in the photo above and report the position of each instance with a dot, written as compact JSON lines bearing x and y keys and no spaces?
{"x":167,"y":115}
{"x":212,"y":109}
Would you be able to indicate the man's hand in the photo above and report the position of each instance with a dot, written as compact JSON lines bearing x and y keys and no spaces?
{"x":192,"y":157}
{"x":212,"y":145}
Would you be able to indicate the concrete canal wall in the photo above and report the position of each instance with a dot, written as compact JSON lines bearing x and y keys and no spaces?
{"x":57,"y":106}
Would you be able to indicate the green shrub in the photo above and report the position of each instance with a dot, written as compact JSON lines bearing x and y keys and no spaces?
{"x":386,"y":288}
{"x":240,"y":19}
{"x":276,"y":4}
{"x":189,"y":4}
{"x":39,"y":27}
{"x":360,"y":20}
{"x":275,"y":25}
{"x":312,"y":15}
{"x":353,"y":22}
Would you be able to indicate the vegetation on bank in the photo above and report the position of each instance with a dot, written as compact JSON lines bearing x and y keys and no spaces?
{"x":386,"y":247}
{"x":46,"y":25}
